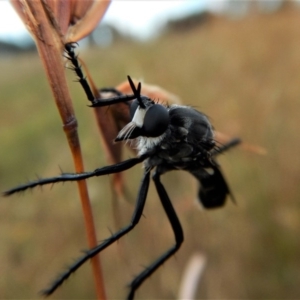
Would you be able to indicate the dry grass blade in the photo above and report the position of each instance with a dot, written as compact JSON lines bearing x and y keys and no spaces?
{"x":224,"y":138}
{"x":191,"y":277}
{"x":86,"y":22}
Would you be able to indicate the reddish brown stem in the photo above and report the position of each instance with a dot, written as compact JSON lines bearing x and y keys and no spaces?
{"x":50,"y":47}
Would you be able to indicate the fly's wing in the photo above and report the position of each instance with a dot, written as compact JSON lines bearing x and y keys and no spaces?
{"x":213,"y":189}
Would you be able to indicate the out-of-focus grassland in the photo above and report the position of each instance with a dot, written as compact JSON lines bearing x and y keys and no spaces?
{"x":245,"y":75}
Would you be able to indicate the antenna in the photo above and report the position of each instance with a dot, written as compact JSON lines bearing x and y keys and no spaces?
{"x":136,"y":92}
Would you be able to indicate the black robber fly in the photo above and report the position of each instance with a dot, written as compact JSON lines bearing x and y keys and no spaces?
{"x":167,"y":138}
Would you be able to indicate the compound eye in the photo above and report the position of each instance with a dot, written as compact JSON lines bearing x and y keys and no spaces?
{"x":156,"y":121}
{"x":133,"y":106}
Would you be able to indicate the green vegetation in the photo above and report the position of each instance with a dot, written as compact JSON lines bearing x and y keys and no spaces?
{"x":245,"y":75}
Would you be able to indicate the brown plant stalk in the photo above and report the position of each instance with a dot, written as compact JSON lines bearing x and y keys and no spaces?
{"x":48,"y":23}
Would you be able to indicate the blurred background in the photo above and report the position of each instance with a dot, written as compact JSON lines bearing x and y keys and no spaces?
{"x":237,"y":61}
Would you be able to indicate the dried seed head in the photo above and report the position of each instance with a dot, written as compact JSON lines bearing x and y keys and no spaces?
{"x":71,"y":20}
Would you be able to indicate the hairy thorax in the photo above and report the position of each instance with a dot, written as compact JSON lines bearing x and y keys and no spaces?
{"x":186,"y":144}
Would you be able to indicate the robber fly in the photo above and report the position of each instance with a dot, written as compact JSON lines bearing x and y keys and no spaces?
{"x":167,"y":138}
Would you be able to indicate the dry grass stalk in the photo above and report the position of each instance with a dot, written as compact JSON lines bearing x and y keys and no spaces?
{"x":191,"y":277}
{"x":52,"y":24}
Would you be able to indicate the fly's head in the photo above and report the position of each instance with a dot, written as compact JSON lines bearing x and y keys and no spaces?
{"x":148,"y":119}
